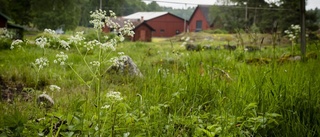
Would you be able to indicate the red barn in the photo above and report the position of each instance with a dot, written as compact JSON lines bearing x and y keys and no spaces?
{"x":143,"y":32}
{"x":200,"y":19}
{"x":165,"y":24}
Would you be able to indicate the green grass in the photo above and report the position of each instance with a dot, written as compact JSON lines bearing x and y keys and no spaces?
{"x":182,"y":93}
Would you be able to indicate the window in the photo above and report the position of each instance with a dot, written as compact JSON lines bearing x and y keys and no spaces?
{"x":198,"y":25}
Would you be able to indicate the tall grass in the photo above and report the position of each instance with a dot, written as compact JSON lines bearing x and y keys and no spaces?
{"x":182,"y":94}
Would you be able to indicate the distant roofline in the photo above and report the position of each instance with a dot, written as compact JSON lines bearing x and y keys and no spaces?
{"x":5,"y":16}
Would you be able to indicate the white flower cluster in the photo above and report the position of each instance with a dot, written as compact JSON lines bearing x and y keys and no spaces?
{"x":127,"y":29}
{"x":50,"y":31}
{"x":109,"y":45}
{"x":41,"y":42}
{"x":119,"y":61}
{"x":54,"y":88}
{"x":4,"y":33}
{"x":293,"y":33}
{"x":185,"y":41}
{"x":95,"y":63}
{"x":114,"y":96}
{"x":98,"y":18}
{"x":41,"y":62}
{"x":91,"y":44}
{"x":64,"y":44}
{"x":108,"y":22}
{"x":77,"y":39}
{"x":61,"y":58}
{"x":16,"y":43}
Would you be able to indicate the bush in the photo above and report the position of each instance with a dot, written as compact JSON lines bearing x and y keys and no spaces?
{"x":217,"y":31}
{"x":5,"y":43}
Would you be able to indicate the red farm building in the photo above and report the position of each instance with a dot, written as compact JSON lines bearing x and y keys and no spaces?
{"x":165,"y":24}
{"x":200,"y":19}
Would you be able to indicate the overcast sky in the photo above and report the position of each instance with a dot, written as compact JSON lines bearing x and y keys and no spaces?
{"x":311,"y":4}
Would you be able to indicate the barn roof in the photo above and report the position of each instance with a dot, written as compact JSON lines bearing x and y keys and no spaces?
{"x":146,"y":15}
{"x":4,"y":16}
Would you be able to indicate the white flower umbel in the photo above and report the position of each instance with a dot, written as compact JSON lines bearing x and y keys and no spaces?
{"x":50,"y":31}
{"x":61,"y":59}
{"x":127,"y":29}
{"x":293,"y":32}
{"x":98,"y":17}
{"x":4,"y":33}
{"x":64,"y":44}
{"x":77,"y":39}
{"x":91,"y":44}
{"x":95,"y":63}
{"x":54,"y":88}
{"x":41,"y":42}
{"x":110,"y":45}
{"x":16,"y":43}
{"x":114,"y":96}
{"x":41,"y":63}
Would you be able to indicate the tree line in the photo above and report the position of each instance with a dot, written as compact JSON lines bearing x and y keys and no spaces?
{"x":261,"y":15}
{"x":67,"y":14}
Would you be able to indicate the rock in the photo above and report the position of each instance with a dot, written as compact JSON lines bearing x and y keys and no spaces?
{"x":230,"y":47}
{"x":294,"y":58}
{"x":193,"y":47}
{"x":45,"y":100}
{"x":207,"y":47}
{"x":251,"y":48}
{"x":125,"y":65}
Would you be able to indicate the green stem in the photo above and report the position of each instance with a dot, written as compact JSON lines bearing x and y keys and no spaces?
{"x":98,"y":88}
{"x":81,"y":79}
{"x":37,"y":79}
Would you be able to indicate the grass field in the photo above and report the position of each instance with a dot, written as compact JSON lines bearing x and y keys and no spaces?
{"x":214,"y":92}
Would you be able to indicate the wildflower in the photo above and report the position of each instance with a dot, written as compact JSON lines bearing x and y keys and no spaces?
{"x":127,"y":28}
{"x":115,"y":96}
{"x":41,"y":62}
{"x":110,"y":45}
{"x":41,"y":42}
{"x":50,"y":31}
{"x":77,"y":38}
{"x":54,"y":88}
{"x":97,"y":17}
{"x":120,"y":53}
{"x":64,"y":44}
{"x":4,"y":33}
{"x":105,"y":107}
{"x":61,"y":58}
{"x":95,"y":63}
{"x":16,"y":43}
{"x":91,"y":44}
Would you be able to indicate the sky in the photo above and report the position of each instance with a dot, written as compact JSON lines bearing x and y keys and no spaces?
{"x":311,"y":4}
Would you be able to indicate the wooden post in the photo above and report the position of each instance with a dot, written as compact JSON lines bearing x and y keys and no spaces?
{"x":303,"y":27}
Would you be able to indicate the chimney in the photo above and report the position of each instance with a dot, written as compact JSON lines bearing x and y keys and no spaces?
{"x":141,"y":19}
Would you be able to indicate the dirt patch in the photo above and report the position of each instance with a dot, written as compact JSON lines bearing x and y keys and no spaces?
{"x":11,"y":90}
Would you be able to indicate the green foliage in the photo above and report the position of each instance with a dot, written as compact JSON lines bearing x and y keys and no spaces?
{"x":5,"y":43}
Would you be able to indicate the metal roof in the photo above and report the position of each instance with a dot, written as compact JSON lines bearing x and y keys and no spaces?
{"x":146,"y":15}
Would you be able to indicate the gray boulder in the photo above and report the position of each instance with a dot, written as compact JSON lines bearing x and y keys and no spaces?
{"x":124,"y":65}
{"x":45,"y":100}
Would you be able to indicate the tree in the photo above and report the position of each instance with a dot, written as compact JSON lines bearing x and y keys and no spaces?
{"x":55,"y":14}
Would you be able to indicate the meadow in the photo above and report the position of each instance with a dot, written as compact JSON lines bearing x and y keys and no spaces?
{"x":210,"y":92}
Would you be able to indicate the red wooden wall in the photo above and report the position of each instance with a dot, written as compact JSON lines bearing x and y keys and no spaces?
{"x":166,"y":25}
{"x":198,"y":16}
